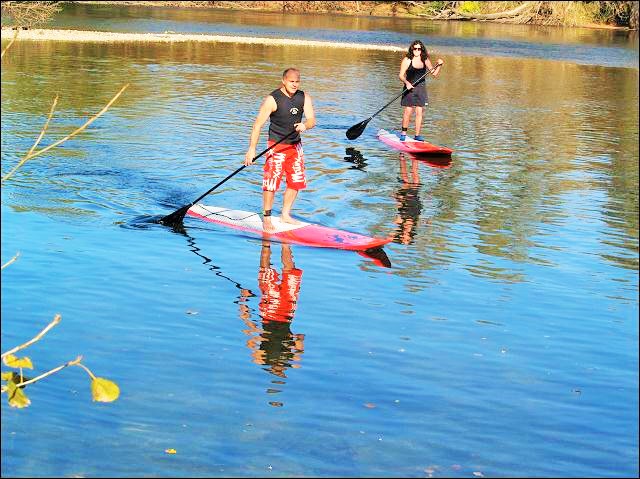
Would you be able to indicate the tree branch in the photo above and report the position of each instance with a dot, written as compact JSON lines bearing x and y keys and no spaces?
{"x":55,"y":321}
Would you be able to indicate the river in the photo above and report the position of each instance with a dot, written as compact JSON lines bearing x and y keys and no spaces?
{"x":501,"y":342}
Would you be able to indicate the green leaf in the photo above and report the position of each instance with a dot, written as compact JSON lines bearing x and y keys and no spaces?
{"x":17,"y":397}
{"x":16,"y":362}
{"x":104,"y":390}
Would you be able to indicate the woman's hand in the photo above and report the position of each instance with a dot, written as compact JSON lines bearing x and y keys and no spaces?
{"x":300,"y":127}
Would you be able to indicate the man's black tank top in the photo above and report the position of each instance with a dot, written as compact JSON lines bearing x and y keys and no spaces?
{"x":414,"y":73}
{"x":288,"y":112}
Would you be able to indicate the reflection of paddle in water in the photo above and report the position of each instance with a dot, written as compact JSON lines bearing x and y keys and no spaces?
{"x":408,"y":199}
{"x":355,"y":157}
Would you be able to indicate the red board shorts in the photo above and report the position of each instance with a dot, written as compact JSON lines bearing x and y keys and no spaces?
{"x":279,"y":298}
{"x":284,"y":160}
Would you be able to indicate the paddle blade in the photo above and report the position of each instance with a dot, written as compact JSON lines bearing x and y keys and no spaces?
{"x":175,"y":219}
{"x":356,"y":130}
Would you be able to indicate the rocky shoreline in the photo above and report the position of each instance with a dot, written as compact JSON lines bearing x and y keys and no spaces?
{"x":43,"y":34}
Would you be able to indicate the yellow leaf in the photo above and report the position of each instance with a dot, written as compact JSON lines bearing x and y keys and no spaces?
{"x":104,"y":390}
{"x":7,"y":375}
{"x":170,"y":451}
{"x":17,"y":397}
{"x":15,"y":362}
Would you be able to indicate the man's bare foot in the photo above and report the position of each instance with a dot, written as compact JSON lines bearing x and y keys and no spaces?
{"x":289,"y":219}
{"x":267,"y":225}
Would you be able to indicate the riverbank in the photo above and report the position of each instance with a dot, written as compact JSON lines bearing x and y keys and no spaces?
{"x":37,"y":34}
{"x":605,"y":15}
{"x":367,"y":8}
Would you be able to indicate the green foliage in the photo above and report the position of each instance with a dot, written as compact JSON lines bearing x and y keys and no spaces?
{"x":470,"y":7}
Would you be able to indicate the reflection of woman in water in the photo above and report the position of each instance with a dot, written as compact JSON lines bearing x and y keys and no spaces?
{"x":274,"y":345}
{"x":409,"y":204}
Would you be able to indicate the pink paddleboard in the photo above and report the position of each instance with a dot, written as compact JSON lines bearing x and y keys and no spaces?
{"x":308,"y":234}
{"x":410,"y":145}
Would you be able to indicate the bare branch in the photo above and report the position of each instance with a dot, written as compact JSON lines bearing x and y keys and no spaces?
{"x":30,"y":155}
{"x":75,"y":362}
{"x":30,"y":14}
{"x":10,"y":43}
{"x":46,"y":125}
{"x":11,"y":260}
{"x":39,"y":336}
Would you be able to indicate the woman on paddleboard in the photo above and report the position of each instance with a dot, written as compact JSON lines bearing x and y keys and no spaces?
{"x":413,"y":68}
{"x":284,"y":107}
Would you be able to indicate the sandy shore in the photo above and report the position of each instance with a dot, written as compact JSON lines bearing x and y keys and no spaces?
{"x":110,"y":37}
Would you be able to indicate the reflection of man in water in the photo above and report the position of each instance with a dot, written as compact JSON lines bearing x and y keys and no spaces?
{"x":409,"y":204}
{"x":274,"y":345}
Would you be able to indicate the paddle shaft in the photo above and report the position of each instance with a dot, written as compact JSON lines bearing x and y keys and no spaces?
{"x":177,"y":215}
{"x":403,"y":91}
{"x":244,"y":166}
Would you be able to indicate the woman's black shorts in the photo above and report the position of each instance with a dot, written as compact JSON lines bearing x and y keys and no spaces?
{"x":417,"y":96}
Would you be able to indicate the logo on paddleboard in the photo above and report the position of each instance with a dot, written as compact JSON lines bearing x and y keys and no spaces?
{"x":293,"y":111}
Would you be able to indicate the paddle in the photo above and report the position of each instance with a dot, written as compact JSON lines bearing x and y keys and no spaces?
{"x":356,"y":130}
{"x":175,"y":219}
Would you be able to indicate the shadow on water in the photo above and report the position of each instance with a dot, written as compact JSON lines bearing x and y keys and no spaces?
{"x":355,"y":157}
{"x":142,"y":222}
{"x":433,"y":160}
{"x":272,"y":343}
{"x":270,"y":340}
{"x":407,"y":196}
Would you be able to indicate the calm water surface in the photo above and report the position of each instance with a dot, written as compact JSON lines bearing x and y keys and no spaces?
{"x":502,"y":341}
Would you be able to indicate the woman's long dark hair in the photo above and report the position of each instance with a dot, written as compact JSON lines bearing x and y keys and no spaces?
{"x":423,"y":52}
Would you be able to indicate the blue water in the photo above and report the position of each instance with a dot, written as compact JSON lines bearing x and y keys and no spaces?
{"x":502,"y":341}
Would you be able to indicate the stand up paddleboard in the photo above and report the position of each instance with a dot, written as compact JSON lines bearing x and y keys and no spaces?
{"x":308,"y":234}
{"x":410,"y":145}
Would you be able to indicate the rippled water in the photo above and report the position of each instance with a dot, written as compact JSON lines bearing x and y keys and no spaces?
{"x":502,"y":341}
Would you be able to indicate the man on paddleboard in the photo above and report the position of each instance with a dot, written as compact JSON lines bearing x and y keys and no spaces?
{"x":414,"y":66}
{"x":284,"y":108}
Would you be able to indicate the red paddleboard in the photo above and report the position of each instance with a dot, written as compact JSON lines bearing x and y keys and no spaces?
{"x":410,"y":145}
{"x":304,"y":233}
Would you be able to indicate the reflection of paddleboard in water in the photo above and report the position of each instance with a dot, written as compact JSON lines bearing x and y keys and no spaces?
{"x":410,"y":145}
{"x":303,"y":233}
